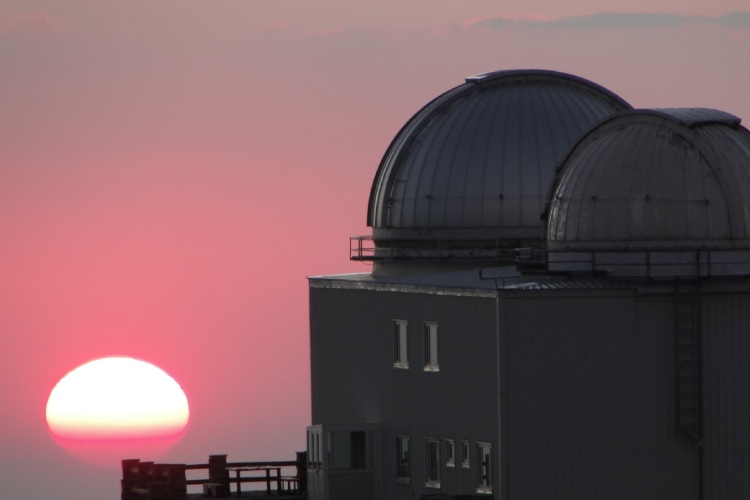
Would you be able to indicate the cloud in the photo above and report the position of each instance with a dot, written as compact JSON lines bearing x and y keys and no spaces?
{"x":33,"y":22}
{"x":363,"y":34}
{"x":735,"y":20}
{"x":611,"y":20}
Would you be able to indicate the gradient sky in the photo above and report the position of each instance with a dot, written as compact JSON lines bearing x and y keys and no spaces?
{"x":172,"y":170}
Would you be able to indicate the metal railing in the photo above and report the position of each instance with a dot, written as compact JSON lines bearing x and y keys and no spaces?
{"x":364,"y":248}
{"x":651,"y":263}
{"x":361,"y":248}
{"x":638,"y":262}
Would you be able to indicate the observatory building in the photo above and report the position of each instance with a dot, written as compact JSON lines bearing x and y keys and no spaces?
{"x":559,"y":305}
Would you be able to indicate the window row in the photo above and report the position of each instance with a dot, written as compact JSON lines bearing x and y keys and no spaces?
{"x":433,"y":462}
{"x":430,"y":342}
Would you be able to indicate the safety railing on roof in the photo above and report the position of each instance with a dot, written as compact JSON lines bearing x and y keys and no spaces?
{"x":361,"y":248}
{"x":656,"y":263}
{"x":650,"y":263}
{"x":364,"y":248}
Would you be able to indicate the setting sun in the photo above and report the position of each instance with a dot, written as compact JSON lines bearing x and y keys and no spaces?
{"x":115,"y":407}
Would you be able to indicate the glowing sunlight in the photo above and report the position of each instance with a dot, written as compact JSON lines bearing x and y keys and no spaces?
{"x":112,"y":407}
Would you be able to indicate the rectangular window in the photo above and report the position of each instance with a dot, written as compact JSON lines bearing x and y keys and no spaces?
{"x":317,"y":455}
{"x":433,"y":463}
{"x":485,"y":467}
{"x":431,"y":347}
{"x":450,"y":453}
{"x":403,"y":471}
{"x":310,"y":450}
{"x":313,"y":449}
{"x":347,"y":450}
{"x":465,"y":452}
{"x":400,"y":352}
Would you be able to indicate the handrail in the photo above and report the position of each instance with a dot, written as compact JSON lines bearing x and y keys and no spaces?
{"x":359,"y":251}
{"x":283,"y":463}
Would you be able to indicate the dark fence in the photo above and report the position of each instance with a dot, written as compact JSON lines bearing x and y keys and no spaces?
{"x":152,"y":481}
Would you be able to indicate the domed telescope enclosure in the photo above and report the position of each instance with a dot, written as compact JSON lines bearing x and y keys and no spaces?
{"x":660,"y":193}
{"x":465,"y":180}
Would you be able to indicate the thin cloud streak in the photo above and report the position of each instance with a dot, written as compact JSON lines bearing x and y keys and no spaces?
{"x":611,"y":20}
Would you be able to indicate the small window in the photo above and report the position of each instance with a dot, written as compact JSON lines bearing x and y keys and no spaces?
{"x":465,"y":452}
{"x":313,"y":449}
{"x":400,"y":352}
{"x":485,"y":467}
{"x":347,"y":450}
{"x":310,"y":451}
{"x":403,"y":472}
{"x":450,"y":453}
{"x":431,"y":347}
{"x":433,"y":463}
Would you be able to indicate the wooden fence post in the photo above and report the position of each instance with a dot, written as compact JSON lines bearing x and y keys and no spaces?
{"x":177,"y":480}
{"x":302,"y":471}
{"x":217,"y":471}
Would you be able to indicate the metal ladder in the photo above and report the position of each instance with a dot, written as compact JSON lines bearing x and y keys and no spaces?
{"x":688,"y":365}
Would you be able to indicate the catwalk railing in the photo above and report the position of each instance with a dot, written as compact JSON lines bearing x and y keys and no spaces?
{"x":364,"y":248}
{"x":653,"y":263}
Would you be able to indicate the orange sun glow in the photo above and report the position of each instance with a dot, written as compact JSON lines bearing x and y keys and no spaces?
{"x":114,"y":408}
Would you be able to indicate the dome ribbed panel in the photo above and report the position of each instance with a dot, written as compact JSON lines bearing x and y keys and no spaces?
{"x":485,"y":155}
{"x":642,"y":178}
{"x":729,"y":149}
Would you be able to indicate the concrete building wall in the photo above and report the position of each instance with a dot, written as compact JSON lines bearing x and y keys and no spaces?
{"x":590,"y":401}
{"x":582,"y":403}
{"x":726,"y":346}
{"x":354,"y":379}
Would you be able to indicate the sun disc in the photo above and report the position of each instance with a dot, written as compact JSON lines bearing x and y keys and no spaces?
{"x":115,"y":404}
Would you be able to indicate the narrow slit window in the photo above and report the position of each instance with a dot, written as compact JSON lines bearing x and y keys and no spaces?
{"x":485,"y":467}
{"x":433,"y":463}
{"x":313,"y":449}
{"x":310,"y":450}
{"x":465,"y":453}
{"x":400,"y":346}
{"x":431,"y":347}
{"x":450,"y":453}
{"x":403,"y":472}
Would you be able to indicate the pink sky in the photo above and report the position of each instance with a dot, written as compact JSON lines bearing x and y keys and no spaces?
{"x":170,"y":172}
